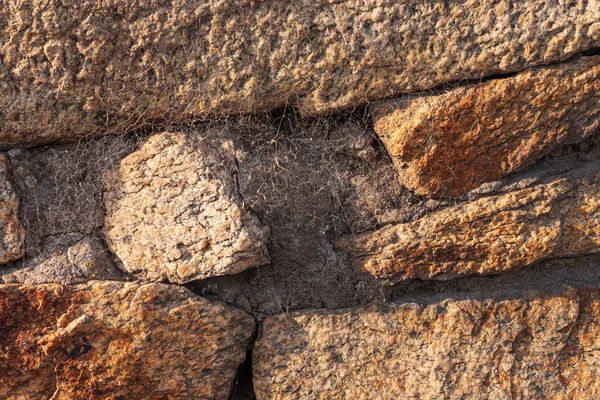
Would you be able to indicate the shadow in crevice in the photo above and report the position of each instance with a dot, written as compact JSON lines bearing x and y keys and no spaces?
{"x":551,"y":276}
{"x":243,"y":387}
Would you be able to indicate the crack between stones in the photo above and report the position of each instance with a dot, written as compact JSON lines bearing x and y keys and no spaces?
{"x":450,"y":85}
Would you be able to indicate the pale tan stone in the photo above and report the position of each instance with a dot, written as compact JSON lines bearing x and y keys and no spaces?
{"x":86,"y":260}
{"x":173,"y":212}
{"x":522,"y":347}
{"x":114,"y":340}
{"x":12,"y":234}
{"x":84,"y":67}
{"x":450,"y":143}
{"x":489,"y":235}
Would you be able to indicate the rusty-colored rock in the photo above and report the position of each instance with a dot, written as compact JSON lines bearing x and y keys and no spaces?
{"x":12,"y":234}
{"x":489,"y":235}
{"x":85,"y":67}
{"x":173,"y":212}
{"x":117,"y":340}
{"x":535,"y":347}
{"x":450,"y":143}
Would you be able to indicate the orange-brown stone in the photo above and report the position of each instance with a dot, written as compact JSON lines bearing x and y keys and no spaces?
{"x":489,"y":235}
{"x":521,"y":347}
{"x":111,"y":340}
{"x":450,"y":143}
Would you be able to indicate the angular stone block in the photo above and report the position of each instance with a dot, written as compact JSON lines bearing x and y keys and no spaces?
{"x":12,"y":233}
{"x":173,"y":212}
{"x":450,"y":143}
{"x":117,"y":340}
{"x":522,"y":347}
{"x":489,"y":235}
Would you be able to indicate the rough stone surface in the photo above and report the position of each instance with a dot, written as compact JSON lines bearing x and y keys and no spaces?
{"x":450,"y":143}
{"x":173,"y":211}
{"x":87,"y":259}
{"x":489,"y":235}
{"x":12,"y":234}
{"x":73,"y":68}
{"x":117,"y":340}
{"x":532,"y":346}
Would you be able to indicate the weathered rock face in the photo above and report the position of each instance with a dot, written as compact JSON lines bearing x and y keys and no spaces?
{"x":489,"y":235}
{"x":12,"y":234}
{"x":450,"y":143}
{"x":173,"y":212}
{"x":88,"y":259}
{"x":117,"y":340}
{"x":540,"y":347}
{"x":80,"y":68}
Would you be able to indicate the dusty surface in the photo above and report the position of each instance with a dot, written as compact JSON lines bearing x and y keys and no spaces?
{"x":489,"y":235}
{"x":527,"y":346}
{"x":89,"y":67}
{"x":60,"y":189}
{"x":450,"y":143}
{"x":173,"y":211}
{"x":311,"y":190}
{"x":61,"y":208}
{"x":117,"y":340}
{"x":310,"y":182}
{"x":12,"y":233}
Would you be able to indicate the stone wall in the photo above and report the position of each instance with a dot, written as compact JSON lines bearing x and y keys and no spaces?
{"x":299,"y":200}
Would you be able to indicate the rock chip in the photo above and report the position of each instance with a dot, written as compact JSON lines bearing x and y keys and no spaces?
{"x":12,"y":234}
{"x":537,"y":346}
{"x":77,"y":68}
{"x":450,"y":143}
{"x":117,"y":340}
{"x":488,"y":236}
{"x":87,"y":259}
{"x":173,"y":212}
